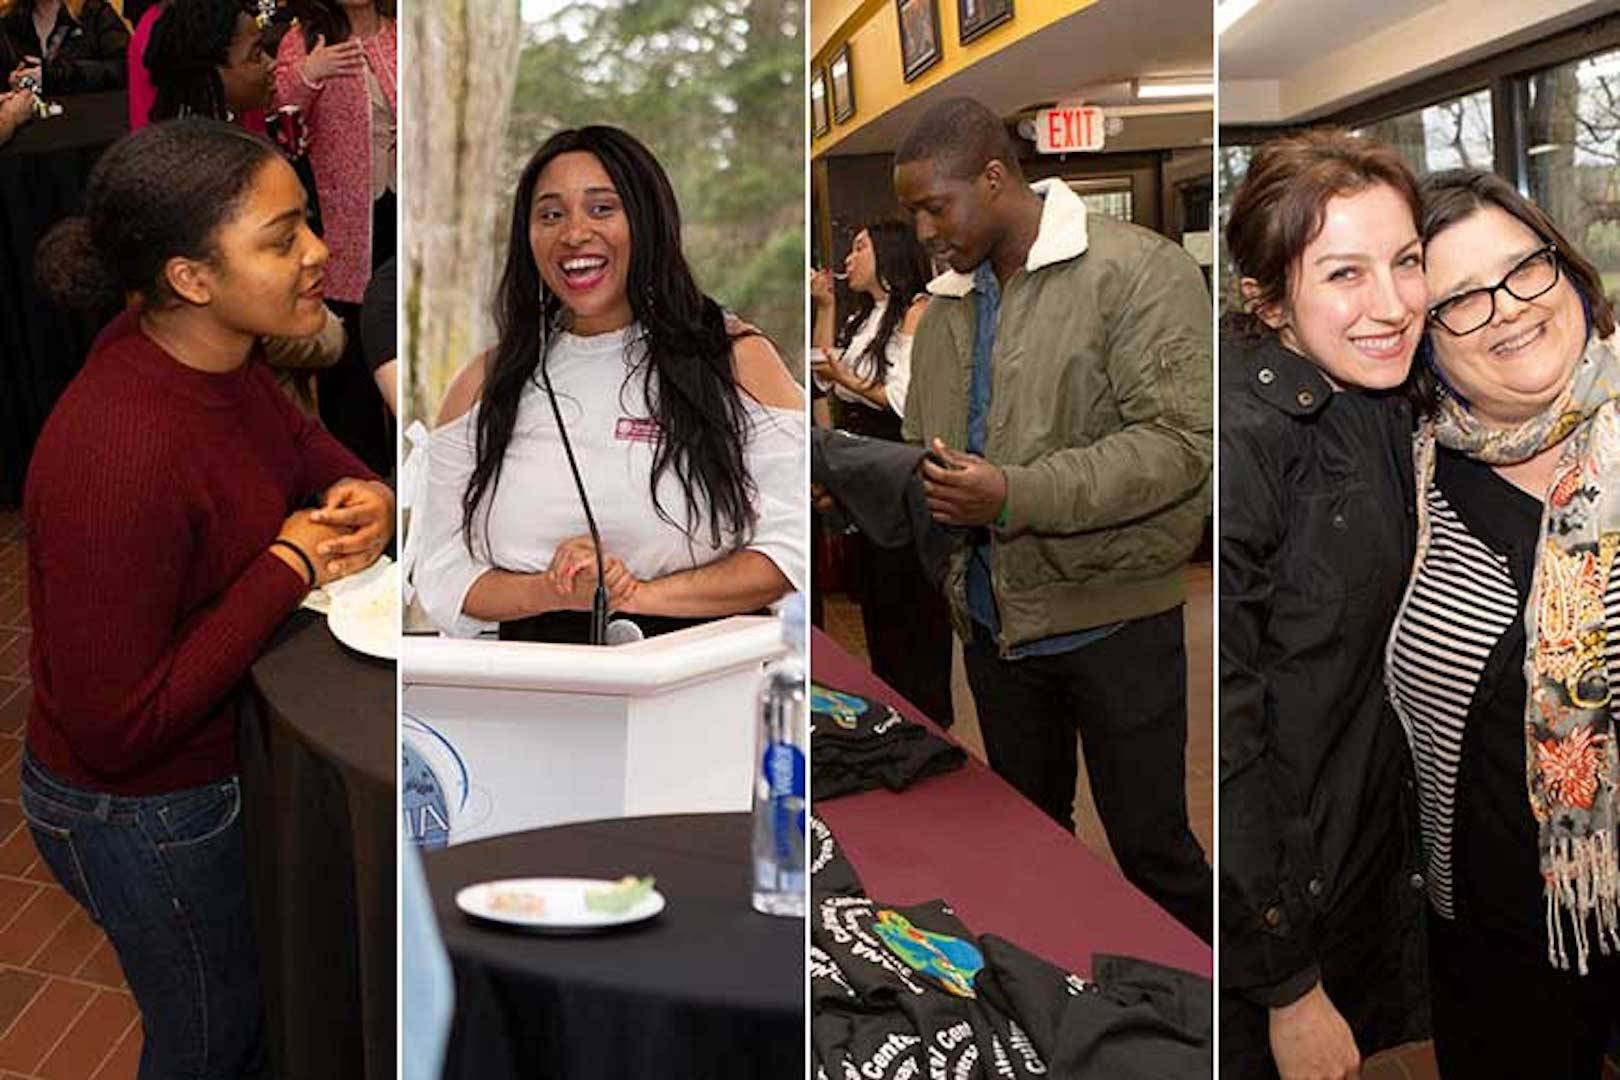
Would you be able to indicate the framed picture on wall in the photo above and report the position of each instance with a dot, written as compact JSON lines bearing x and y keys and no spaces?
{"x":819,"y":122}
{"x":843,"y":85}
{"x":976,"y":17}
{"x":919,"y":35}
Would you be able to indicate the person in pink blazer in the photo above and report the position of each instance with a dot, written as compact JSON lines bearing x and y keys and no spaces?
{"x":337,"y":65}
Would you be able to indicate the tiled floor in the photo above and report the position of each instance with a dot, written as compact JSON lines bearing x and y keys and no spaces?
{"x":64,"y":1011}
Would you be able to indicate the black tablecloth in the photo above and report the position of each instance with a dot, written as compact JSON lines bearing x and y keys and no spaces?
{"x":318,"y":764}
{"x":708,"y":990}
{"x":43,"y":171}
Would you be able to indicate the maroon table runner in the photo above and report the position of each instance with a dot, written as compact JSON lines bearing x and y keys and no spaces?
{"x":968,"y":838}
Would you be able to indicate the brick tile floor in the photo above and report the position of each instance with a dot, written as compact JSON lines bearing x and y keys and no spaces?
{"x":65,"y":1013}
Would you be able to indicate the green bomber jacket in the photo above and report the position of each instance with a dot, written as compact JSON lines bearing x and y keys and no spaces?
{"x":1099,"y":415}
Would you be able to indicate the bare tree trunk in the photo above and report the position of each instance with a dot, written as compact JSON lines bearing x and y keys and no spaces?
{"x":463,"y":65}
{"x":1553,"y":121}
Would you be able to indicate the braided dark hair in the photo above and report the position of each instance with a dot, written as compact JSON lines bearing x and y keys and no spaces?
{"x":156,"y":194}
{"x":189,"y":44}
{"x":687,"y":374}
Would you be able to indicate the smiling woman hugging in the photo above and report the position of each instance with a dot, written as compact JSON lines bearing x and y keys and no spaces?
{"x":1320,"y":924}
{"x":688,"y":434}
{"x":178,"y":509}
{"x":1507,"y":646}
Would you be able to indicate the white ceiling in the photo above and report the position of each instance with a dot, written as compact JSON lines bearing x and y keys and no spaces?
{"x":1294,"y":60}
{"x":1109,"y":41}
{"x":1280,"y":36}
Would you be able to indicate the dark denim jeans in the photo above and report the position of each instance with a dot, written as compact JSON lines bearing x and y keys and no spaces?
{"x":165,"y":876}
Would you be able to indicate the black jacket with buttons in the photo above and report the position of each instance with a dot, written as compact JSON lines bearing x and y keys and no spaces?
{"x":1316,"y":541}
{"x":86,"y":51}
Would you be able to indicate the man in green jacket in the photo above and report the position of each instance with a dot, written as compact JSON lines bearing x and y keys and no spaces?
{"x":1061,"y":379}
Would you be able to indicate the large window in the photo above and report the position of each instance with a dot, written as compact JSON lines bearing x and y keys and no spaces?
{"x":1572,"y":155}
{"x":1446,"y":135}
{"x":1561,"y":148}
{"x":1231,"y":168}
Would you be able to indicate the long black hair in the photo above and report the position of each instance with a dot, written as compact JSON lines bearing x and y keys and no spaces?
{"x":903,"y":270}
{"x":326,"y":18}
{"x":189,"y":44}
{"x":686,"y":369}
{"x":156,"y":194}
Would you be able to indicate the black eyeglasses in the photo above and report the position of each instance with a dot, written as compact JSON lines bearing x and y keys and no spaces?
{"x":1473,"y":310}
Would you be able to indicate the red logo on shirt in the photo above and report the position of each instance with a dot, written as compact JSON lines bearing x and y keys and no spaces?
{"x":630,"y":429}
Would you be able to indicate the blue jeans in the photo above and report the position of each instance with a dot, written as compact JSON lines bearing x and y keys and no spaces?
{"x":166,"y":877}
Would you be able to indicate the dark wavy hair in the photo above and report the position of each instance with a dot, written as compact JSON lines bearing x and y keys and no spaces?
{"x":188,"y":46}
{"x":1278,"y":208}
{"x":156,"y":194}
{"x":326,"y":18}
{"x":1455,"y":194}
{"x":903,"y":270}
{"x":686,"y":370}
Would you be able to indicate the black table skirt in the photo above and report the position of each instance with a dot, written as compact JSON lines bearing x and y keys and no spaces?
{"x":319,"y":801}
{"x":708,"y":990}
{"x":43,"y":172}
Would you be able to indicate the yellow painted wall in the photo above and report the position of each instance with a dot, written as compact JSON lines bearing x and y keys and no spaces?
{"x":872,"y":27}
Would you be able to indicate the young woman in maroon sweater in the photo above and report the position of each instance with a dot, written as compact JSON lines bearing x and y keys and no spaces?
{"x":178,"y":509}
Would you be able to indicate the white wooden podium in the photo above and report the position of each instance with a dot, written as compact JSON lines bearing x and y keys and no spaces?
{"x":502,"y":736}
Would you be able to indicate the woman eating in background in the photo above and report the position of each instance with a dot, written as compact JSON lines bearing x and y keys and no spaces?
{"x":1320,"y":923}
{"x":688,"y":437}
{"x":1506,"y":646}
{"x":867,"y":367}
{"x":871,"y":365}
{"x":170,"y":531}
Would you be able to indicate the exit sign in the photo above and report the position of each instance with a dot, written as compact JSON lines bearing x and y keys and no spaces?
{"x":1070,"y":129}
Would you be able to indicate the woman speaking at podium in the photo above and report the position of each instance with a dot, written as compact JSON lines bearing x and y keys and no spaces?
{"x":618,"y":395}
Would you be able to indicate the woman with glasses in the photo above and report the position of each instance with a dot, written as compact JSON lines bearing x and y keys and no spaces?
{"x":1508,"y":639}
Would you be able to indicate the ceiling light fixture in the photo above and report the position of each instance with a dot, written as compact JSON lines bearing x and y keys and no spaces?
{"x":1160,"y":89}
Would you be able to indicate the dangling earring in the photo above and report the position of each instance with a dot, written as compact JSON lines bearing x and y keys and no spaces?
{"x":647,"y":292}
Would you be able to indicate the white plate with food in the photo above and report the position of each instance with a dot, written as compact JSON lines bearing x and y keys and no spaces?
{"x":562,"y":905}
{"x":319,"y":599}
{"x":365,"y":616}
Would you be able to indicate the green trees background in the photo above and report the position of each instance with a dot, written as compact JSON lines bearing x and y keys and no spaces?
{"x":715,"y":89}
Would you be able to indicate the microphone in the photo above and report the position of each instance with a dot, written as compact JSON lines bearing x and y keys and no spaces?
{"x":599,"y":602}
{"x":624,"y":632}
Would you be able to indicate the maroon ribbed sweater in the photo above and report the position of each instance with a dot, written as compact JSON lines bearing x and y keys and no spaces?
{"x":153,"y":494}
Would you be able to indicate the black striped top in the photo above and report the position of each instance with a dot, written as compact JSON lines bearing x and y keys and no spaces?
{"x":1462,"y":602}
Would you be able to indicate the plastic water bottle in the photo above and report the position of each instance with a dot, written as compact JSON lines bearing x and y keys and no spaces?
{"x":780,"y":808}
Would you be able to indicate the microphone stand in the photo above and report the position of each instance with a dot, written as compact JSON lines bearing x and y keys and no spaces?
{"x":599,"y":601}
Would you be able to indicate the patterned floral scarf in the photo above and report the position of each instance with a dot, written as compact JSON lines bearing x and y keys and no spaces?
{"x":1570,"y":754}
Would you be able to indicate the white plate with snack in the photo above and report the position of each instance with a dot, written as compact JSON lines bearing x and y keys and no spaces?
{"x":320,"y":599}
{"x":562,"y":905}
{"x":365,"y":616}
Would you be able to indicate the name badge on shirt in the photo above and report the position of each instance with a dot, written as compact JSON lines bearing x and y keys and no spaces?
{"x":631,"y":429}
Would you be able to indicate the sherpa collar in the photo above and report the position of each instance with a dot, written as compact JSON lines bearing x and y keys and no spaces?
{"x":1062,"y":236}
